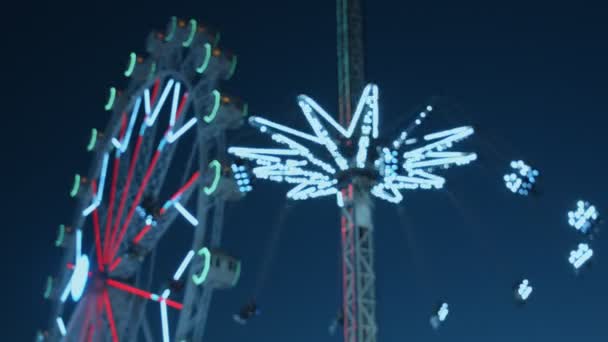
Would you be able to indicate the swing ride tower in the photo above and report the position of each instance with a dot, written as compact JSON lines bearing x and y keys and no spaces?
{"x":344,"y":158}
{"x":358,"y":276}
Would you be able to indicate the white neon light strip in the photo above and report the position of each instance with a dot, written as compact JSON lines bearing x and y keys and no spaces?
{"x":265,"y":122}
{"x":116,"y":143}
{"x":464,"y":132}
{"x":127,"y":137}
{"x":147,"y":102}
{"x":445,"y":133}
{"x":171,"y":137}
{"x":340,"y":199}
{"x":160,"y":103}
{"x":78,"y":243}
{"x":102,"y":181}
{"x":186,"y":214}
{"x":61,"y":326}
{"x":351,"y":128}
{"x":164,"y":320}
{"x":176,"y":90}
{"x":66,"y":291}
{"x":182,"y":267}
{"x":441,"y":161}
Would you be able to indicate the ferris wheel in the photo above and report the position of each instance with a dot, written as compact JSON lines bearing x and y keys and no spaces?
{"x":154,"y":196}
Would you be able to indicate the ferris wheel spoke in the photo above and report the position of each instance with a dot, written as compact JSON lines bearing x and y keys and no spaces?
{"x":108,"y":226}
{"x":110,"y":243}
{"x":143,"y":294}
{"x":110,"y":314}
{"x":153,"y":168}
{"x":135,"y":202}
{"x":113,"y":187}
{"x":171,"y":202}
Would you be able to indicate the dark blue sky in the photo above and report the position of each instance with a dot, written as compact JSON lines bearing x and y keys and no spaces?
{"x":531,"y":79}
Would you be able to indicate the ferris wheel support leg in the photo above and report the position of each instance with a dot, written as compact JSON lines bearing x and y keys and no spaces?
{"x":359,"y":289}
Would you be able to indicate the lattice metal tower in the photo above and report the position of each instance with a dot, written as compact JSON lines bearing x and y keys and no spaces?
{"x":358,"y":166}
{"x":358,"y":283}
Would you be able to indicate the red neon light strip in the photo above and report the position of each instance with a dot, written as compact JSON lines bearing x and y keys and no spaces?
{"x":90,"y":332}
{"x":106,"y":240}
{"x":115,"y":169}
{"x":96,"y":231}
{"x":181,"y":105}
{"x":140,"y":193}
{"x":123,"y":198}
{"x":344,"y":283}
{"x":114,"y":264}
{"x":155,"y":91}
{"x":141,"y":234}
{"x":187,"y":185}
{"x":142,"y":293}
{"x":352,"y":255}
{"x":108,"y":306}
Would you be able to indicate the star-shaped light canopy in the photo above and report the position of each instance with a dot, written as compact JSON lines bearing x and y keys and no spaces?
{"x":407,"y":164}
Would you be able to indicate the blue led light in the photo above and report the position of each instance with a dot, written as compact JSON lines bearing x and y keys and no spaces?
{"x":522,"y":178}
{"x":584,"y":217}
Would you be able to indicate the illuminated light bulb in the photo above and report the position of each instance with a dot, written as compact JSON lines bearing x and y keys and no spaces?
{"x":580,"y":256}
{"x":584,"y":217}
{"x":524,"y":290}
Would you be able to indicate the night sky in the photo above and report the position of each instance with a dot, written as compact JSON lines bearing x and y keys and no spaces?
{"x":532,"y":80}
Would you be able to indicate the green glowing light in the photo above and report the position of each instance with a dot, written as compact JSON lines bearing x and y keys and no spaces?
{"x":60,"y":236}
{"x":237,"y":274}
{"x":216,"y":179}
{"x":201,"y":69}
{"x":232,"y":68}
{"x":193,"y":26}
{"x":93,"y":140}
{"x":152,"y":70}
{"x":172,"y":29}
{"x":216,"y":107}
{"x":49,"y":287}
{"x":199,"y":279}
{"x":131,"y":66}
{"x":111,"y":100}
{"x":75,"y":186}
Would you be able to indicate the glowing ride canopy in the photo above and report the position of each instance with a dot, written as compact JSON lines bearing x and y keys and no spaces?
{"x":409,"y":163}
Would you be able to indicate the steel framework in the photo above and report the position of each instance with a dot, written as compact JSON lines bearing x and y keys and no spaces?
{"x":183,"y":61}
{"x":359,"y":290}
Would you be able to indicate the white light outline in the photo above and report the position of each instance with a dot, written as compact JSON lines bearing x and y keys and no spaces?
{"x":100,"y":188}
{"x":164,"y":317}
{"x":161,"y":102}
{"x":61,"y":326}
{"x":186,"y":214}
{"x":182,"y":267}
{"x":289,"y":165}
{"x":171,"y":137}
